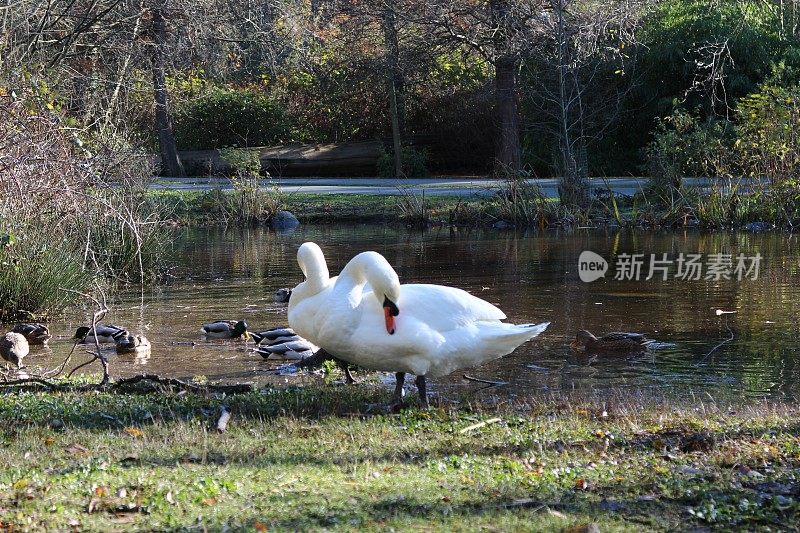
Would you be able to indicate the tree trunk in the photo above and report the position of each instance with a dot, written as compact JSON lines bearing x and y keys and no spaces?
{"x":574,"y":185}
{"x":509,"y":159}
{"x":395,"y":85}
{"x":170,"y":162}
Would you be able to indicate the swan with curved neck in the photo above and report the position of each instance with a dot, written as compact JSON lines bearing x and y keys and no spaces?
{"x":366,"y":317}
{"x":308,"y":297}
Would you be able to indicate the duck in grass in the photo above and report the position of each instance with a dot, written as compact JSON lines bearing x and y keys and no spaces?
{"x":34,"y":333}
{"x":225,"y":329}
{"x":135,"y":344}
{"x":106,"y":333}
{"x":13,"y":348}
{"x":616,"y":342}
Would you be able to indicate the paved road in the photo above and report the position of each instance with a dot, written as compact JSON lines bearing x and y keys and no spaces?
{"x":431,"y":186}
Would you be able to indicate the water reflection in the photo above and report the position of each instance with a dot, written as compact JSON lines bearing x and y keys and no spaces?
{"x":532,"y":276}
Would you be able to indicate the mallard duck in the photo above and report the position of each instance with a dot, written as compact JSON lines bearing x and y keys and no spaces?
{"x":133,"y":344}
{"x":296,"y":350}
{"x":613,"y":342}
{"x":282,"y":295}
{"x":105,"y":333}
{"x":225,"y":329}
{"x":13,"y":348}
{"x":34,"y":333}
{"x":274,"y":335}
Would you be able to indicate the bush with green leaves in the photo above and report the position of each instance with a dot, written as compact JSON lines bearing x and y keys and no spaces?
{"x":769,"y":132}
{"x":249,"y":202}
{"x":228,"y":117}
{"x":415,"y":163}
{"x":38,"y":275}
{"x":686,"y":145}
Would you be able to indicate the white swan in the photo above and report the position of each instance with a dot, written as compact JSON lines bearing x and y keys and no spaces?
{"x":367,"y":318}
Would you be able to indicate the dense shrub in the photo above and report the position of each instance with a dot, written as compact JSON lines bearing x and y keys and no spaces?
{"x":228,"y":117}
{"x":685,"y":145}
{"x":769,"y":133}
{"x":69,"y":227}
{"x":37,"y":274}
{"x":415,"y":163}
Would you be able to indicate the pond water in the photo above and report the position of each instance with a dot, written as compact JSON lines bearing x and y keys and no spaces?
{"x":533,"y":276}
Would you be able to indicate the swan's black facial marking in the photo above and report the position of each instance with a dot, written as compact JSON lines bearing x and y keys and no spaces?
{"x":390,"y":311}
{"x":391,"y":306}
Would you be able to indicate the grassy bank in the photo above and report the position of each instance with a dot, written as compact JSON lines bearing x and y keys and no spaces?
{"x":314,"y":458}
{"x":202,"y":207}
{"x":520,"y":206}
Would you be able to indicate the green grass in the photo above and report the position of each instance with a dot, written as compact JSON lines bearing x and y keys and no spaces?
{"x":188,"y":207}
{"x":315,"y":458}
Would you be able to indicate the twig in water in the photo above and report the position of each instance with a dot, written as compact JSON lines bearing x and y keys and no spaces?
{"x":720,"y":345}
{"x":102,"y":309}
{"x":485,"y":381}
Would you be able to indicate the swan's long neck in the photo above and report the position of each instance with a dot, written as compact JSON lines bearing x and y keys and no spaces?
{"x":315,"y":269}
{"x":317,"y":276}
{"x":372,"y":268}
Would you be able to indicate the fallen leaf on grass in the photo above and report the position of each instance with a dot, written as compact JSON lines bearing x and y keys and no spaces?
{"x":49,"y":441}
{"x":258,"y":526}
{"x":75,"y":448}
{"x":209,"y":501}
{"x":136,"y":433}
{"x":582,"y":484}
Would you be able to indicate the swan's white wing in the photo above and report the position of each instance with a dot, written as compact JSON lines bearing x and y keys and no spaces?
{"x":443,"y":308}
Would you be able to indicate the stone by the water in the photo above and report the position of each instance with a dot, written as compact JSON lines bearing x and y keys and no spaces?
{"x":284,"y":220}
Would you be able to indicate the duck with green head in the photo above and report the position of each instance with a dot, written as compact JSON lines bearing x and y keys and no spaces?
{"x":106,"y":333}
{"x":35,"y":333}
{"x":225,"y":329}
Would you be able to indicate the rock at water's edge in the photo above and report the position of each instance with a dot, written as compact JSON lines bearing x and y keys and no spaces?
{"x":284,"y":220}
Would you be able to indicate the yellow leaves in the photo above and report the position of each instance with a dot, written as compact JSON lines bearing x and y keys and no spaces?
{"x":582,"y":484}
{"x":136,"y":433}
{"x":21,"y":484}
{"x":49,"y":441}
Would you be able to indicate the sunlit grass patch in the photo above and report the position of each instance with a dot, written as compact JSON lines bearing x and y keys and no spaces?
{"x":321,"y":458}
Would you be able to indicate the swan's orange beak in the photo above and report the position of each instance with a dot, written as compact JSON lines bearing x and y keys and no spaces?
{"x":390,"y":311}
{"x":387,"y":314}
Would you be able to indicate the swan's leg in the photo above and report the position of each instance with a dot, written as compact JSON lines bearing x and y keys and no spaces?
{"x":422,"y":388}
{"x":397,"y":397}
{"x":345,"y":368}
